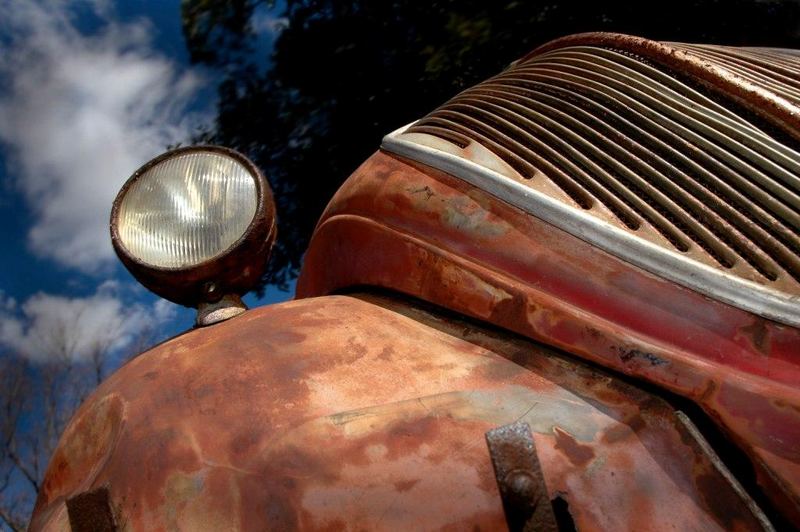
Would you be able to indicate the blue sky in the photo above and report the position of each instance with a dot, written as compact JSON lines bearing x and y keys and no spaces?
{"x":89,"y":91}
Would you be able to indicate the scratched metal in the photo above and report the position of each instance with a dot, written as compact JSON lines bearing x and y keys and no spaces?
{"x":447,"y":242}
{"x":367,"y":413}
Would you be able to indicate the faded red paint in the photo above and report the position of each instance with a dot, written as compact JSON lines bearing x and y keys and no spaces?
{"x":415,"y":230}
{"x":368,"y":413}
{"x":578,"y":454}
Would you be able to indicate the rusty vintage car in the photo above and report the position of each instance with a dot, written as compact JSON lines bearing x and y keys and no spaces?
{"x":569,"y":298}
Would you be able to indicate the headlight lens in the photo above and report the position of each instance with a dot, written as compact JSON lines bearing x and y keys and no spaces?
{"x":195,"y":224}
{"x":186,"y":210}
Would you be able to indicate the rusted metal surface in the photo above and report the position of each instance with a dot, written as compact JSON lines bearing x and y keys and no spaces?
{"x":235,"y":271}
{"x":91,"y":512}
{"x":519,"y":479}
{"x":615,"y":150}
{"x":449,"y":243}
{"x":758,"y":99}
{"x":369,"y":413}
{"x":702,"y":446}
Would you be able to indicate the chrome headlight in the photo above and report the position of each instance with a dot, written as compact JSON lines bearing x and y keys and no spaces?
{"x":194,"y":224}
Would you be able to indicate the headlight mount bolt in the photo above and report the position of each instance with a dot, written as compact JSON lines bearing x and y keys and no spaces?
{"x":212,"y":292}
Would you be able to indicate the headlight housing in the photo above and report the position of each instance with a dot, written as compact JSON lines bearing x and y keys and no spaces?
{"x":195,"y":224}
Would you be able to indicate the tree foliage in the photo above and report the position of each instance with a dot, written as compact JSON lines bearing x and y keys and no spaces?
{"x":344,"y":73}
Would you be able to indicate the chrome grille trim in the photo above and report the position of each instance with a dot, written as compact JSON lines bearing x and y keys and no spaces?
{"x":747,"y":295}
{"x":689,"y":188}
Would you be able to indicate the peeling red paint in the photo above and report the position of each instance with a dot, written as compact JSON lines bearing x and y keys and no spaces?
{"x":261,"y":429}
{"x":519,"y":273}
{"x":577,"y":453}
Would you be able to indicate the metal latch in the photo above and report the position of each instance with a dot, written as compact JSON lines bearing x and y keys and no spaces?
{"x":526,"y":502}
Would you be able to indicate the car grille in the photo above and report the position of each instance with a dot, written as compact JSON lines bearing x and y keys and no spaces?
{"x":774,"y":70}
{"x":651,"y":151}
{"x":643,"y":150}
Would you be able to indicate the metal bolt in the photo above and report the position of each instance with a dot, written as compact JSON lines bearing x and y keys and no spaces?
{"x":212,"y":292}
{"x":522,"y":485}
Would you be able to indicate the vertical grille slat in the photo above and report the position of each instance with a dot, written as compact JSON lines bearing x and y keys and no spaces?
{"x":759,"y":261}
{"x":737,"y":219}
{"x":702,"y":164}
{"x":778,"y":62}
{"x":700,"y":108}
{"x":566,"y":182}
{"x":726,"y":149}
{"x":655,"y":171}
{"x":628,"y":186}
{"x":773,"y":79}
{"x":657,"y":78}
{"x":573,"y":161}
{"x":664,"y":158}
{"x":525,"y":168}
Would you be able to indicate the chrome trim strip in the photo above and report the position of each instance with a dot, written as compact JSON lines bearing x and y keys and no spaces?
{"x":716,"y":284}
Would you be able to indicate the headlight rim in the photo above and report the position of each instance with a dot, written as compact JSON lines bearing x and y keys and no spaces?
{"x":185,"y":285}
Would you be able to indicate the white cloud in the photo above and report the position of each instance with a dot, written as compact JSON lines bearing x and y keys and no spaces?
{"x":47,"y":326}
{"x":78,"y":115}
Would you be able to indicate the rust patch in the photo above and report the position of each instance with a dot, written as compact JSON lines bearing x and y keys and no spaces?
{"x":578,"y":453}
{"x":627,"y":354}
{"x":594,"y":334}
{"x":273,"y":493}
{"x":356,"y":349}
{"x":783,"y":404}
{"x":426,"y":191}
{"x":386,"y":353}
{"x":710,"y":486}
{"x":245,"y":442}
{"x":510,"y":309}
{"x":758,"y":335}
{"x":503,"y":371}
{"x":287,"y":337}
{"x":89,"y":441}
{"x":622,"y":430}
{"x":405,"y":485}
{"x":276,"y":455}
{"x":405,"y":437}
